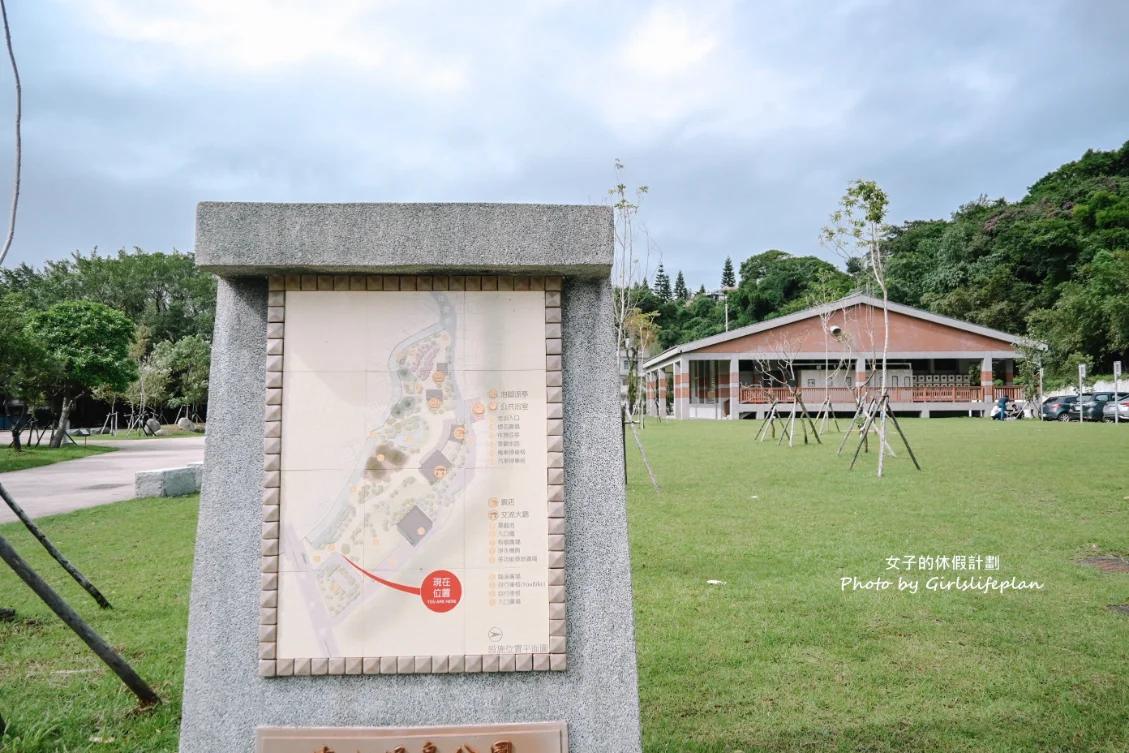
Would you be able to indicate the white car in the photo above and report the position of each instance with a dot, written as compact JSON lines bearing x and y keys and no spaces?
{"x":1121,"y":407}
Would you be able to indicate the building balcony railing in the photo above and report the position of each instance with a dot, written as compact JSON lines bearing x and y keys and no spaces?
{"x":937,"y":394}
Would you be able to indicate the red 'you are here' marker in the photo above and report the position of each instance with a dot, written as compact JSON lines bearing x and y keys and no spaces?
{"x":441,"y":591}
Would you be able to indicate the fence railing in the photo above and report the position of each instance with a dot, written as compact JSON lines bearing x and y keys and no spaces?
{"x":937,"y":394}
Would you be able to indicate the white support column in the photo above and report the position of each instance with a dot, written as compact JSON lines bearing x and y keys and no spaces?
{"x":648,"y":393}
{"x":679,"y":374}
{"x":734,"y":388}
{"x":860,"y":372}
{"x":682,"y":389}
{"x":676,"y":374}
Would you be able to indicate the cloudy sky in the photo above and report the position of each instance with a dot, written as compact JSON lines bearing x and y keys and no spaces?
{"x":746,"y":120}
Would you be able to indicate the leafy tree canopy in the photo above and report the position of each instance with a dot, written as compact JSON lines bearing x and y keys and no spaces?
{"x":26,"y":371}
{"x":164,"y":292}
{"x":89,"y":342}
{"x":188,"y":361}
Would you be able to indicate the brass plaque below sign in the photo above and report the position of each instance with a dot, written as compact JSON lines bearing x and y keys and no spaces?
{"x":540,"y":737}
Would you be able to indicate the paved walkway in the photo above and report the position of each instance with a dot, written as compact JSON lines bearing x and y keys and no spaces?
{"x":95,"y":480}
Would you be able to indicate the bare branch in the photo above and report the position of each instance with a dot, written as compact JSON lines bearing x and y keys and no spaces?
{"x":19,"y":149}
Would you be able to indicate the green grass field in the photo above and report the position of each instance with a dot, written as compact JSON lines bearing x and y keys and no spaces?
{"x":33,"y":457}
{"x":778,"y":658}
{"x":135,"y":434}
{"x":54,"y":693}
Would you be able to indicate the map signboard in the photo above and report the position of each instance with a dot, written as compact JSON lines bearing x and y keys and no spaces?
{"x":413,"y":506}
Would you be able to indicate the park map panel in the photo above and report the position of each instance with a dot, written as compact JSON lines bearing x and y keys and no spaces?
{"x":413,"y":466}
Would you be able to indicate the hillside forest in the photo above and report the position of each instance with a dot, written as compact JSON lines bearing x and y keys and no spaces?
{"x":1053,"y":266}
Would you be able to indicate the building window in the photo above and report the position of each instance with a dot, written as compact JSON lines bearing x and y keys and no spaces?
{"x":894,"y":383}
{"x":811,"y":383}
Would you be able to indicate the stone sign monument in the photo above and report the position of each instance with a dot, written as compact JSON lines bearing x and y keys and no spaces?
{"x":412,"y":531}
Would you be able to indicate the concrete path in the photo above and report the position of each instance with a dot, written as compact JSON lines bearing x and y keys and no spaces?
{"x":95,"y":480}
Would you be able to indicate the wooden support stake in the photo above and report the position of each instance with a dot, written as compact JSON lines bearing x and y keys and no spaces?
{"x":807,"y":415}
{"x":785,"y":431}
{"x":824,"y":414}
{"x":882,"y":443}
{"x":764,"y":423}
{"x":623,"y":436}
{"x":854,"y":419}
{"x":71,"y":569}
{"x":111,"y":658}
{"x":645,"y":461}
{"x":865,"y":431}
{"x":904,"y":440}
{"x":769,"y":419}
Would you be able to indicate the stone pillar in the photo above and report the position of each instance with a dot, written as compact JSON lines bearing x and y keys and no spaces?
{"x":734,"y":388}
{"x":860,"y":373}
{"x":662,"y":391}
{"x":986,"y":378}
{"x":230,"y":694}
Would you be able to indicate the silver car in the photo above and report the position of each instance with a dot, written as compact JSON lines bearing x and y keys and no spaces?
{"x":1122,"y":408}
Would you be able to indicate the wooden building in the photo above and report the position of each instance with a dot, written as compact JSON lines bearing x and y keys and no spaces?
{"x":935,"y":364}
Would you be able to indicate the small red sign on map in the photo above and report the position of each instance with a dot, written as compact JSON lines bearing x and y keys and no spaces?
{"x":441,"y":591}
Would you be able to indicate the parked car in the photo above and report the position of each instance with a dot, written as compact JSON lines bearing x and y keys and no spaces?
{"x":1112,"y":406}
{"x":1093,"y":405}
{"x":1057,"y":408}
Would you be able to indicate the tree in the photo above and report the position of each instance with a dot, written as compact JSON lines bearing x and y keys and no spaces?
{"x":728,"y":278}
{"x":89,"y":343}
{"x":777,"y":365}
{"x":662,"y":285}
{"x":775,"y":283}
{"x":151,"y":387}
{"x":25,"y":369}
{"x":680,"y":291}
{"x":858,"y":229}
{"x":702,"y":290}
{"x":188,"y":362}
{"x":640,"y":336}
{"x":626,"y":271}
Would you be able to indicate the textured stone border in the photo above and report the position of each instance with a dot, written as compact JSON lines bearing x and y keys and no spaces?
{"x":557,"y":658}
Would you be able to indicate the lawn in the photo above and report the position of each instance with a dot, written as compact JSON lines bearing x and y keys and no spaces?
{"x":33,"y":457}
{"x":778,"y":658}
{"x":54,"y":693}
{"x":172,"y":431}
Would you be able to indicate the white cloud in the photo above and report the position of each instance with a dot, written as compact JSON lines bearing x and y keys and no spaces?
{"x":691,"y":70}
{"x":669,"y":41}
{"x":264,"y":36}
